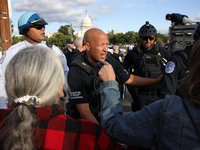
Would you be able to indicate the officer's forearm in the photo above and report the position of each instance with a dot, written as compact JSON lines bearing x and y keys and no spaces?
{"x":88,"y":115}
{"x":85,"y":112}
{"x":140,"y":81}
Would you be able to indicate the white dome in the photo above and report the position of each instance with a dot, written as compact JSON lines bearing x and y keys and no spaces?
{"x":86,"y":23}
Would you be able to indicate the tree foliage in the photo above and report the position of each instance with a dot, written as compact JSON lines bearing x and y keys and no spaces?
{"x":130,"y":36}
{"x":161,"y":37}
{"x":59,"y":39}
{"x":15,"y":39}
{"x":65,"y":30}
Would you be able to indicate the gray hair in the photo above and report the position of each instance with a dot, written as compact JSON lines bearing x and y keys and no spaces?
{"x":115,"y":48}
{"x":34,"y":71}
{"x":79,"y":42}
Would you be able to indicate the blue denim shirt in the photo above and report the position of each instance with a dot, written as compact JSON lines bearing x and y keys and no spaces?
{"x":164,"y":124}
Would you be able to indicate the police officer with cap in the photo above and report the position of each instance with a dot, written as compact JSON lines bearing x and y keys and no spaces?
{"x":69,"y":51}
{"x":32,"y":26}
{"x":146,"y":60}
{"x":135,"y":43}
{"x":177,"y":67}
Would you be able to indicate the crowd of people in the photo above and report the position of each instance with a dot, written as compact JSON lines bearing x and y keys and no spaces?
{"x":38,"y":81}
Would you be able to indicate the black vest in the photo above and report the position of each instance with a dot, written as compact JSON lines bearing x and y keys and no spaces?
{"x":94,"y":94}
{"x":151,"y":66}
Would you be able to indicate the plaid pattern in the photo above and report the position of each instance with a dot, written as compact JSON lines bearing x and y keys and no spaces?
{"x":56,"y":131}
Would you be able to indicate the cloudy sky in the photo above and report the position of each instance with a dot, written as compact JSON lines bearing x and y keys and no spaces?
{"x":120,"y":15}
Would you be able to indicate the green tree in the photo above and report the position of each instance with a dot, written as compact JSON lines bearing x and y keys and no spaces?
{"x":161,"y":37}
{"x":59,"y":39}
{"x":120,"y":38}
{"x":65,"y":30}
{"x":111,"y":37}
{"x":22,"y":38}
{"x":130,"y":37}
{"x":15,"y":39}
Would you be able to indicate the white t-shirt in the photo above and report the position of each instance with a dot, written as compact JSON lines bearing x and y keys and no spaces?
{"x":8,"y":56}
{"x":131,"y":47}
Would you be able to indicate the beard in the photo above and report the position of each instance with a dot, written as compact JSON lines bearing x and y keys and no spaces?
{"x":149,"y":47}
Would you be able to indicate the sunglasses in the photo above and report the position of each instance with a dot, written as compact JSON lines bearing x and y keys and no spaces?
{"x":148,"y":37}
{"x":38,"y":27}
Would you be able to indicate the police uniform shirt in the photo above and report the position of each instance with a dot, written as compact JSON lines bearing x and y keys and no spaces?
{"x":174,"y":71}
{"x":8,"y":56}
{"x":80,"y":81}
{"x":69,"y":54}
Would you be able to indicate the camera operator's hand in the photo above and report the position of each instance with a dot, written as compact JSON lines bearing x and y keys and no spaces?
{"x":107,"y":73}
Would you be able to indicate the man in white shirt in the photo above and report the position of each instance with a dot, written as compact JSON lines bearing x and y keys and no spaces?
{"x":32,"y":26}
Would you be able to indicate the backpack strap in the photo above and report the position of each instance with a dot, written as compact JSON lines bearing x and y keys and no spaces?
{"x":159,"y":59}
{"x":156,"y":49}
{"x":84,"y":66}
{"x":184,"y":56}
{"x":141,"y":53}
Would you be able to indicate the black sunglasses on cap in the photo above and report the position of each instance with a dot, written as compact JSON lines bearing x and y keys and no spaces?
{"x":145,"y":38}
{"x":38,"y":27}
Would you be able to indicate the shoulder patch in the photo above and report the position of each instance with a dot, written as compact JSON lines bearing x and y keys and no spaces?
{"x":170,"y":67}
{"x":2,"y":58}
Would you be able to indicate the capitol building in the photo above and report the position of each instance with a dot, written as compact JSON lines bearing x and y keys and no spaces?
{"x":85,"y":25}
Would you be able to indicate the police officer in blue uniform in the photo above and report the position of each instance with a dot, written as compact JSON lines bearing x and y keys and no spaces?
{"x":32,"y":26}
{"x":83,"y":74}
{"x":177,"y":67}
{"x":146,"y":60}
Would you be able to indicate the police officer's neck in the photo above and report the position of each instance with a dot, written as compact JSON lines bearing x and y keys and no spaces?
{"x":94,"y":63}
{"x":31,"y":41}
{"x":91,"y":59}
{"x":70,"y":49}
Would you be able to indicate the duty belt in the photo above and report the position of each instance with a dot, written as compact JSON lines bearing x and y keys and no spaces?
{"x":150,"y":93}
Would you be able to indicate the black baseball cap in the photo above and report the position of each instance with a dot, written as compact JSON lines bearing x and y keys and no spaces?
{"x":69,"y":41}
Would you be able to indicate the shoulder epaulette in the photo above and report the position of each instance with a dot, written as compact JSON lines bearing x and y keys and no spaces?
{"x":84,"y":66}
